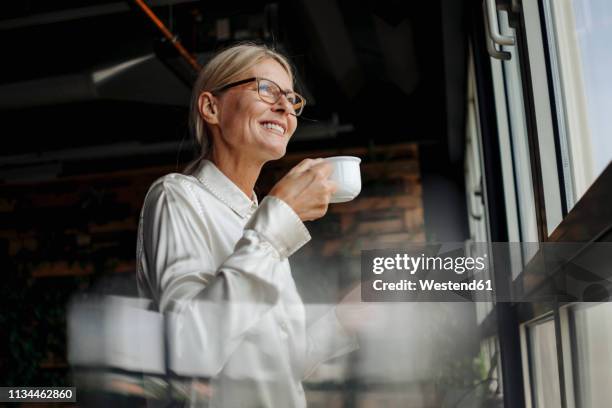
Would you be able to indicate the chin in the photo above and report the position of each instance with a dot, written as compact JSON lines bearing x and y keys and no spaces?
{"x":278,"y":154}
{"x":274,"y":152}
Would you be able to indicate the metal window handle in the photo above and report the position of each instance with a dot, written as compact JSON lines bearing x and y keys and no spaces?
{"x":493,"y":26}
{"x":493,"y":52}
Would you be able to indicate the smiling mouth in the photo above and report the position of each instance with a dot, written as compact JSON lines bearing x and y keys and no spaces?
{"x":274,"y":127}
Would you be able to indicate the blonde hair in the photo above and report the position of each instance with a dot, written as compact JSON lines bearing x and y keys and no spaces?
{"x":226,"y":66}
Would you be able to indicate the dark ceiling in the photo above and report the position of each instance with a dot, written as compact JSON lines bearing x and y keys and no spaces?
{"x":83,"y":74}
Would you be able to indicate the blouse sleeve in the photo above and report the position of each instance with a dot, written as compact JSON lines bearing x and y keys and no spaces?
{"x":211,"y":308}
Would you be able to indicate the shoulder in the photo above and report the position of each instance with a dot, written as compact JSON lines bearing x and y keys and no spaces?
{"x":172,"y":181}
{"x":173,"y":188}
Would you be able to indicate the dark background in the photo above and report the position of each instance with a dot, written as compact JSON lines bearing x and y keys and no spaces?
{"x":91,"y":91}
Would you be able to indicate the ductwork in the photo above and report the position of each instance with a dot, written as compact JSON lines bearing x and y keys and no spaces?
{"x":141,"y":79}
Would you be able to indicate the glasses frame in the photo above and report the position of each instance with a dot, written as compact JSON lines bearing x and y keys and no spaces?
{"x":257,"y":79}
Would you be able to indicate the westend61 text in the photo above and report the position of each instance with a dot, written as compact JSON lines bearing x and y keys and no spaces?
{"x":429,"y":285}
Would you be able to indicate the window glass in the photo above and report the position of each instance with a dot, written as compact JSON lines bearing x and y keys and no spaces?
{"x":489,"y":363}
{"x":544,"y":367}
{"x":579,"y":35}
{"x":592,"y":339}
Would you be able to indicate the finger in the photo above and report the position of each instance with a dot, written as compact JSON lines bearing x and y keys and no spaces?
{"x":318,"y":181}
{"x":297,"y":183}
{"x":324,"y":168}
{"x":325,"y":208}
{"x":305,"y":165}
{"x":301,"y":166}
{"x":332,"y":185}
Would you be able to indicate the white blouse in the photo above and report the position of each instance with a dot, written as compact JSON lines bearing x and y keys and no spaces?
{"x":216,"y":263}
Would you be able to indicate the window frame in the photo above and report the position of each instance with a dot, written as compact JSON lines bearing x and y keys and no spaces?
{"x":507,"y":320}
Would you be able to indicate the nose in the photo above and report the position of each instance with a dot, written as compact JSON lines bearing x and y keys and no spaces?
{"x":283,"y":105}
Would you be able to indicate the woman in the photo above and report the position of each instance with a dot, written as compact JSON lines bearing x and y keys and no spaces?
{"x":216,"y":259}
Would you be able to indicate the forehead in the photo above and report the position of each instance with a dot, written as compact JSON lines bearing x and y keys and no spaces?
{"x":271,"y":69}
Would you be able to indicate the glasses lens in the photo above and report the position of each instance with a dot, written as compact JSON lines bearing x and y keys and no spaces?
{"x":271,"y":93}
{"x":268,"y":91}
{"x":297,"y":101}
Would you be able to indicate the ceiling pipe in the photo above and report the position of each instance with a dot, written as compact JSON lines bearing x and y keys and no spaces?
{"x":172,"y":38}
{"x":72,"y":14}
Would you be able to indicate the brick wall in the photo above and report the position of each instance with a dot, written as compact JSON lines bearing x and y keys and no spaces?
{"x":387,"y":213}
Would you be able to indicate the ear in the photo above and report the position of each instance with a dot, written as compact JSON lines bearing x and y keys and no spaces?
{"x":208,"y":108}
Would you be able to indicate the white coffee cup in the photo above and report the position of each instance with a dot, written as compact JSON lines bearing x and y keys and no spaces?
{"x":347,"y":175}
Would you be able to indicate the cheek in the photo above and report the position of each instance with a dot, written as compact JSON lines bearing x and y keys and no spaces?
{"x":239,"y":117}
{"x":292,"y":125}
{"x":250,"y":111}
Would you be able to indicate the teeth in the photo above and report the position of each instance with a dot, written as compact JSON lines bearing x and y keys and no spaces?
{"x":274,"y":126}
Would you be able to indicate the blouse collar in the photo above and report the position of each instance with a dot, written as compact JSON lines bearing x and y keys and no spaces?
{"x":224,"y":189}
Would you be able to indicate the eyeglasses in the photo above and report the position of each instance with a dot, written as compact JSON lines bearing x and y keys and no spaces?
{"x":270,"y":92}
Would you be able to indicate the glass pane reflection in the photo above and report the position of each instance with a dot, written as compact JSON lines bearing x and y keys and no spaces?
{"x":592,"y":339}
{"x":544,"y":367}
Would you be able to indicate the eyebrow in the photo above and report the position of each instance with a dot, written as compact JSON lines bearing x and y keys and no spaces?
{"x":247,"y":80}
{"x":286,"y":89}
{"x":233,"y":84}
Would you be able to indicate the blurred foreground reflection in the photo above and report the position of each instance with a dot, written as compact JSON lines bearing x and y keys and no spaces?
{"x":409,"y":354}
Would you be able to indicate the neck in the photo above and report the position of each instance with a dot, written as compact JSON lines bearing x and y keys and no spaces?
{"x":241,"y":170}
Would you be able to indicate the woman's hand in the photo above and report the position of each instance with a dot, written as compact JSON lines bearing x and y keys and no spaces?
{"x":307,"y":188}
{"x":355,"y":315}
